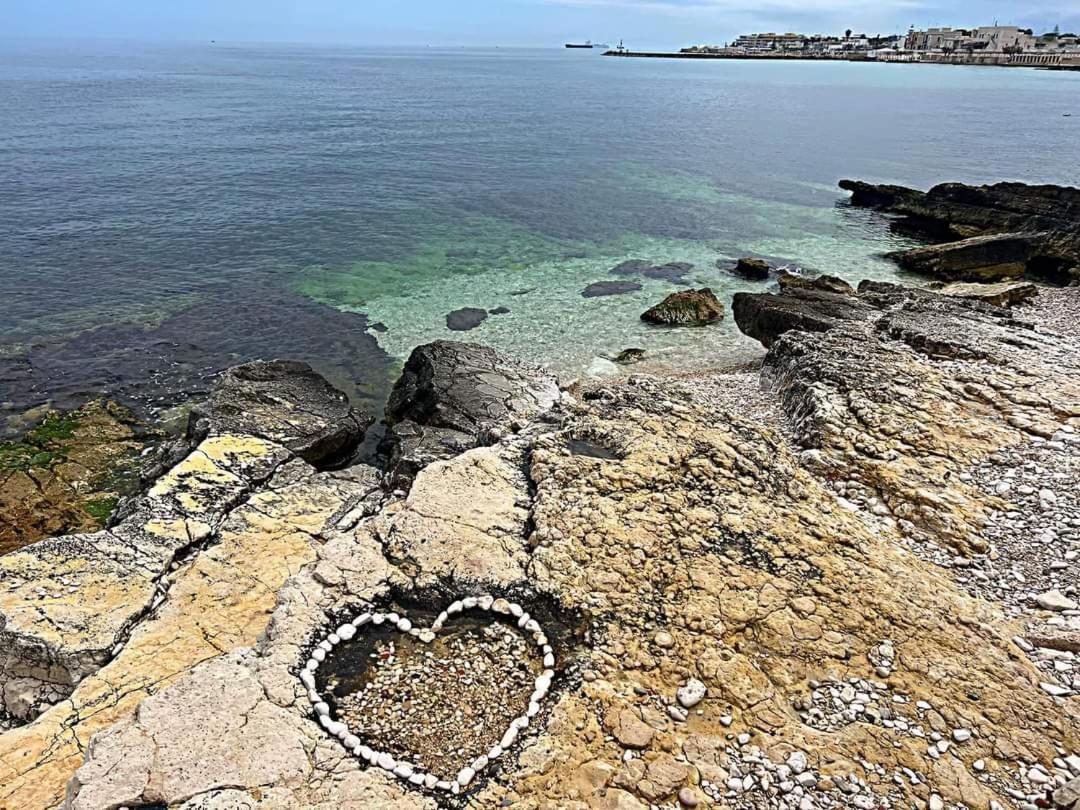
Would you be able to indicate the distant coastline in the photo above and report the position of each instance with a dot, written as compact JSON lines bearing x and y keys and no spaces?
{"x":1003,"y":60}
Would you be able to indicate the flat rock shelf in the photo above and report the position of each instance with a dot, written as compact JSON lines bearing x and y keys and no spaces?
{"x":434,"y":706}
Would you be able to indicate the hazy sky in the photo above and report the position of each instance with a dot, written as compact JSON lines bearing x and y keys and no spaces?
{"x":642,"y":23}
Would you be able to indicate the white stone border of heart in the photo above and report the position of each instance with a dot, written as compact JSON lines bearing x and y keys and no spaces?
{"x":404,"y":770}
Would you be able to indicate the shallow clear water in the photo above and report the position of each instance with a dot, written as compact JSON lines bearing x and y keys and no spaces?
{"x":211,"y":203}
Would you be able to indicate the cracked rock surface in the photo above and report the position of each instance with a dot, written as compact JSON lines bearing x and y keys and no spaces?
{"x":754,"y":628}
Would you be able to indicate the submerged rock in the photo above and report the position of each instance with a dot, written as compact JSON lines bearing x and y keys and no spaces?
{"x":67,"y":473}
{"x":686,"y":308}
{"x":674,"y":272}
{"x":599,"y":289}
{"x":285,"y":402}
{"x":462,"y":320}
{"x":628,"y":356}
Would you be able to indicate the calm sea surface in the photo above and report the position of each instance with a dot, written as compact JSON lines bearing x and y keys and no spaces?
{"x":166,"y":211}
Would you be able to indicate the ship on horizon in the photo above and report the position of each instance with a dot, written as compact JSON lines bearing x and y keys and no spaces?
{"x":586,"y":44}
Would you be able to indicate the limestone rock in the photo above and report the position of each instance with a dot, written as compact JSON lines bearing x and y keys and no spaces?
{"x":686,"y":308}
{"x":765,"y":317}
{"x":1003,"y":294}
{"x":67,"y":602}
{"x":1022,"y":229}
{"x":468,"y":388}
{"x":824,"y":283}
{"x":990,"y":258}
{"x":285,"y":402}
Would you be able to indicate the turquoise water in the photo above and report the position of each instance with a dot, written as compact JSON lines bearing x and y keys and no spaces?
{"x":171,"y":210}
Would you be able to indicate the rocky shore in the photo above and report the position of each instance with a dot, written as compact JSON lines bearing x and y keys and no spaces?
{"x":843,"y":577}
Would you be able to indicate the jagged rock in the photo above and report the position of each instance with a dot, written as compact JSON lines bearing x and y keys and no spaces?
{"x":752,"y":268}
{"x":468,"y":388}
{"x":1004,"y":294}
{"x":825,"y":283}
{"x":710,"y":522}
{"x":958,"y":211}
{"x":996,"y":257}
{"x":285,"y":402}
{"x":1033,"y":228}
{"x":889,"y":360}
{"x":462,"y":320}
{"x":67,"y":602}
{"x":686,"y":308}
{"x":409,"y":448}
{"x":765,"y":317}
{"x":1068,"y":795}
{"x":599,"y":289}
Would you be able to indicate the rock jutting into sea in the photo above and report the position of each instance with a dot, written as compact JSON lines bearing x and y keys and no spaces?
{"x":789,"y":587}
{"x":984,"y":233}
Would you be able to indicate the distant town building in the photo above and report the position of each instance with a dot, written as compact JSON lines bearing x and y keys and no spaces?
{"x":1004,"y":45}
{"x":758,"y":43}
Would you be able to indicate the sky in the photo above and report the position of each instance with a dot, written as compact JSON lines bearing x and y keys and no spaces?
{"x":524,"y":23}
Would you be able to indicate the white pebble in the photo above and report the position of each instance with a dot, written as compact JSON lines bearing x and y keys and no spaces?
{"x":465,"y":775}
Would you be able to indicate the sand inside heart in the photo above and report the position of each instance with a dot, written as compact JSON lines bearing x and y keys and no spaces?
{"x":439,"y":705}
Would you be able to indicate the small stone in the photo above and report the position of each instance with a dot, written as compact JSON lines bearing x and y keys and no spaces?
{"x":961,"y":734}
{"x":1055,"y":600}
{"x":979,"y":765}
{"x":797,"y":762}
{"x":465,"y":775}
{"x":936,"y":802}
{"x":691,"y":694}
{"x":688,"y":798}
{"x":664,"y":640}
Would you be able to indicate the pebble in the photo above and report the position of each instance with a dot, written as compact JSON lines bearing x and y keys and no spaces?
{"x":691,"y":694}
{"x":687,"y":798}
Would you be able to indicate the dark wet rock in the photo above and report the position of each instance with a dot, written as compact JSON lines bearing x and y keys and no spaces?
{"x":499,"y":311}
{"x":990,"y":258}
{"x":628,"y":356}
{"x":686,"y":308}
{"x":379,"y":327}
{"x":462,"y":320}
{"x":752,"y":269}
{"x":962,"y":210}
{"x":408,"y":448}
{"x":523,"y":292}
{"x":765,"y":317}
{"x":674,"y":272}
{"x":833,"y":284}
{"x":1004,"y":294}
{"x":468,"y":388}
{"x":996,"y":232}
{"x":286,"y":402}
{"x":602,"y":288}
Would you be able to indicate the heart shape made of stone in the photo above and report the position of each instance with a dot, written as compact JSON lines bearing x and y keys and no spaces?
{"x":397,"y":766}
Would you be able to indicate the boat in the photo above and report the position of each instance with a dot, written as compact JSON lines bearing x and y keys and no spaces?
{"x":586,"y":44}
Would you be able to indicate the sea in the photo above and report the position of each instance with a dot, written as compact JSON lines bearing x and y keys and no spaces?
{"x":168,"y":210}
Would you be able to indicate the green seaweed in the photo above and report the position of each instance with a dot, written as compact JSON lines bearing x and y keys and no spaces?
{"x":42,"y":446}
{"x":101,"y":509}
